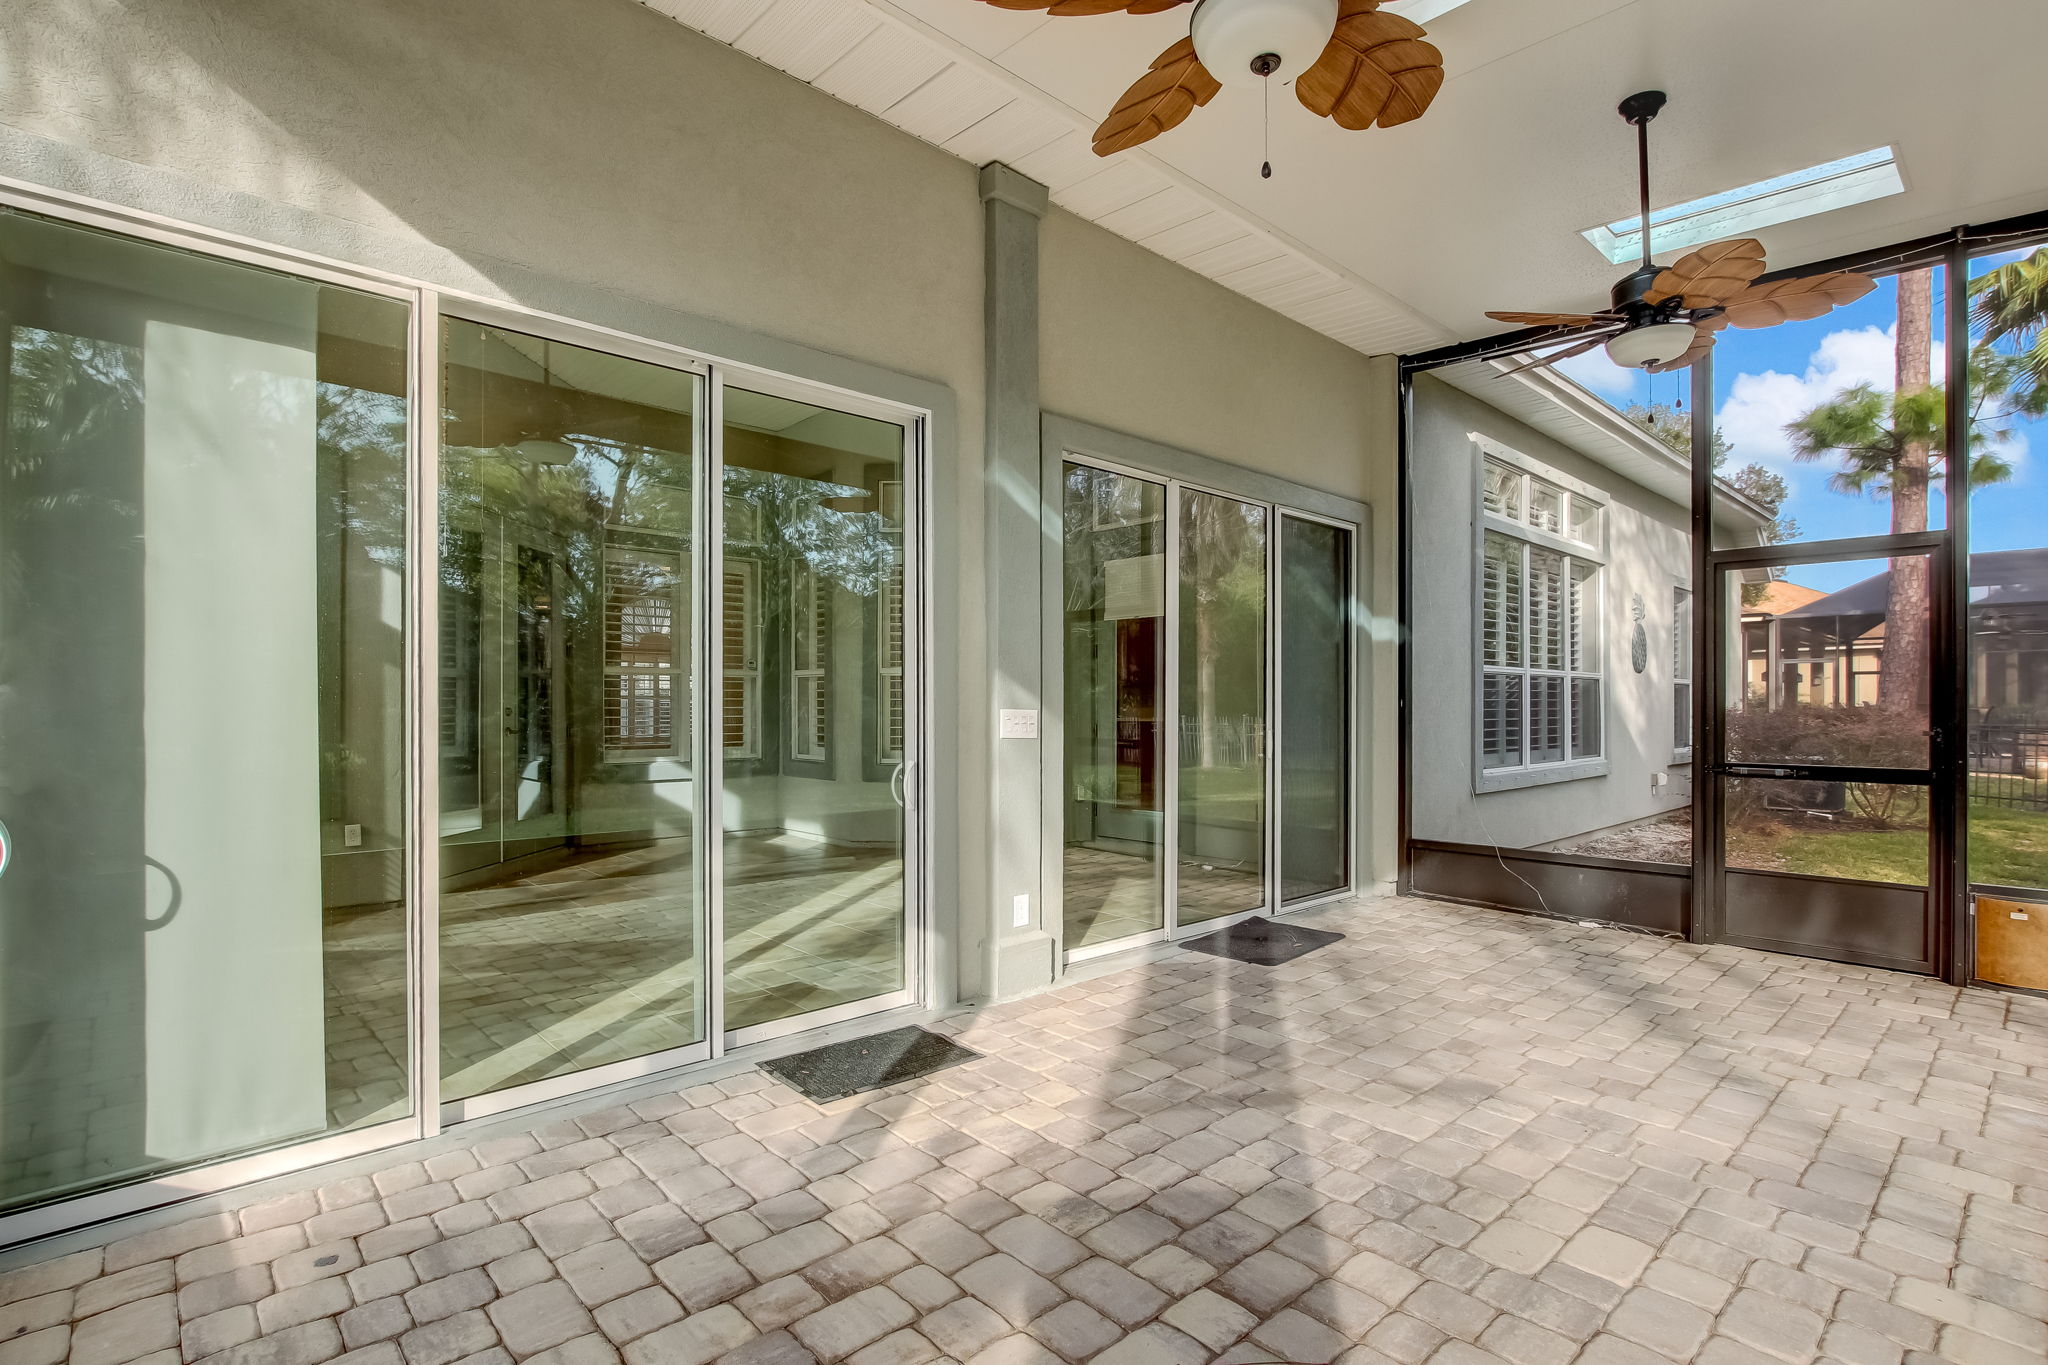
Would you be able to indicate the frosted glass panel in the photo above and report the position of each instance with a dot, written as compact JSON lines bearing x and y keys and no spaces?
{"x":202,"y":756}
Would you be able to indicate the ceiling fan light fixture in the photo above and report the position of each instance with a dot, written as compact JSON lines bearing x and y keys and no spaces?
{"x":1651,"y":345}
{"x":543,"y":450}
{"x":1234,"y":37}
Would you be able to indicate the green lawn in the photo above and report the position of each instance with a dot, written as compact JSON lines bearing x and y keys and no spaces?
{"x":2007,"y":848}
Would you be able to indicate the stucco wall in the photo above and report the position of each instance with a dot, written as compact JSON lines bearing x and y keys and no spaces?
{"x":1648,"y":554}
{"x":1131,"y":341}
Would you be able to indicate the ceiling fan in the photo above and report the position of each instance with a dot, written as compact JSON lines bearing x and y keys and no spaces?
{"x":1350,"y":62}
{"x":1665,"y":319}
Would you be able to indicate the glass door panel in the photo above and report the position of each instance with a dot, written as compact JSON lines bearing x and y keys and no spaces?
{"x":570,"y":922}
{"x":203,"y":742}
{"x":1830,"y":664}
{"x":816,"y":714}
{"x":1221,"y":864}
{"x":1114,"y":609}
{"x":2007,"y":708}
{"x":1315,"y":709}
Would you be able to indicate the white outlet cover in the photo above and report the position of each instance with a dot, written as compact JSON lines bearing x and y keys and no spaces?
{"x":1018,"y":724}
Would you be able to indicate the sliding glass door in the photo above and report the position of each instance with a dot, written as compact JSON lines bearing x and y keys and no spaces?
{"x":203,"y":753}
{"x":1114,"y":652}
{"x":674,"y":783}
{"x":1191,"y":632}
{"x":571,"y":916}
{"x":1221,"y":800}
{"x":407,"y":717}
{"x":1314,"y":624}
{"x":816,"y":712}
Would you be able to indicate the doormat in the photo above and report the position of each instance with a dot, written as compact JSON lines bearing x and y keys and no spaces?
{"x":837,"y":1070}
{"x":1262,"y":942}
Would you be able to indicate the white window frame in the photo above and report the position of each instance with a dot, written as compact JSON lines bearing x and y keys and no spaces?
{"x":1591,"y":553}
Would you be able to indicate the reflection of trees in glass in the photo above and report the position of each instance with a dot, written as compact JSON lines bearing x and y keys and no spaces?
{"x":1892,"y":446}
{"x":1223,"y":611}
{"x":856,"y":550}
{"x":63,"y":392}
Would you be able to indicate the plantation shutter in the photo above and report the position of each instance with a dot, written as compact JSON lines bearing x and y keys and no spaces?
{"x":640,"y":651}
{"x":1501,"y":607}
{"x":810,"y":641}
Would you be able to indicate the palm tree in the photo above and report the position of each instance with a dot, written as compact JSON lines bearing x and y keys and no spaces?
{"x":1892,"y":446}
{"x":2011,"y":303}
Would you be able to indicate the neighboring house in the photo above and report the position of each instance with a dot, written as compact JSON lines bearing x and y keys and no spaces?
{"x":1551,"y":662}
{"x":1791,"y":657}
{"x":1802,"y":645}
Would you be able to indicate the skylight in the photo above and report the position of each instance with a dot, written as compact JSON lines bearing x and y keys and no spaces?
{"x":1836,"y":184}
{"x":1420,"y":11}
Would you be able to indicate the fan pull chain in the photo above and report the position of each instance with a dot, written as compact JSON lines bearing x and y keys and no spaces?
{"x":1266,"y":167}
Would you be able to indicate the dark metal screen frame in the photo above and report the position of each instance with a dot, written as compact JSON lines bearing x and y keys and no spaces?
{"x":1948,"y":889}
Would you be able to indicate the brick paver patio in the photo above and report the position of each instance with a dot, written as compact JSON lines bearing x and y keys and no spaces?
{"x":1458,"y":1137}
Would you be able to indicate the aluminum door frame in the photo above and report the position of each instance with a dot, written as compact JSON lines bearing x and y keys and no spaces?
{"x":1056,"y":458}
{"x":1711,"y":610}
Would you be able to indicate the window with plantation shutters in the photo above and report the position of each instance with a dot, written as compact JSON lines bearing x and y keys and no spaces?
{"x":1540,"y":702}
{"x":810,"y":643}
{"x":644,"y":678}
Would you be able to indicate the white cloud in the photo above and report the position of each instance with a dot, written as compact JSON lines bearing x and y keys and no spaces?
{"x":1759,"y":405}
{"x":1598,"y":373}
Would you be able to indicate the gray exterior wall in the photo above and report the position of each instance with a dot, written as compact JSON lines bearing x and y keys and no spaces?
{"x":595,"y":159}
{"x":1648,"y":553}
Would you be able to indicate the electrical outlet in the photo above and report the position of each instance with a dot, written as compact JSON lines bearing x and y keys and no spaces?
{"x":1020,"y":911}
{"x":1014,"y":724}
{"x":351,"y":836}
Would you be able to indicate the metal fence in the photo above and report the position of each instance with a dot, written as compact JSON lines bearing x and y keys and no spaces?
{"x":2009,"y":766}
{"x":1223,"y":741}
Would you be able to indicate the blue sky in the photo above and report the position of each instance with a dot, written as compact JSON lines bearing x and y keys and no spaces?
{"x":1767,"y":377}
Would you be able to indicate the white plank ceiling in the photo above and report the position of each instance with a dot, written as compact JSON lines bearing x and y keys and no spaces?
{"x":940,"y":89}
{"x":1399,"y":239}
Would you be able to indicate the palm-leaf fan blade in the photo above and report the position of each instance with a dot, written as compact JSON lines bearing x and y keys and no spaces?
{"x":1796,"y":300}
{"x":1376,"y":69}
{"x":1160,"y":99}
{"x":1077,"y":9}
{"x":1711,"y":275}
{"x":1552,"y":319}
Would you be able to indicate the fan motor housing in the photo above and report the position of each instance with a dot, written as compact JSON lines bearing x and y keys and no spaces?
{"x":1629,"y":290}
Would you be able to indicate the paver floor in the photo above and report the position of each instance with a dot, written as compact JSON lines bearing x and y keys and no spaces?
{"x":1457,"y":1137}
